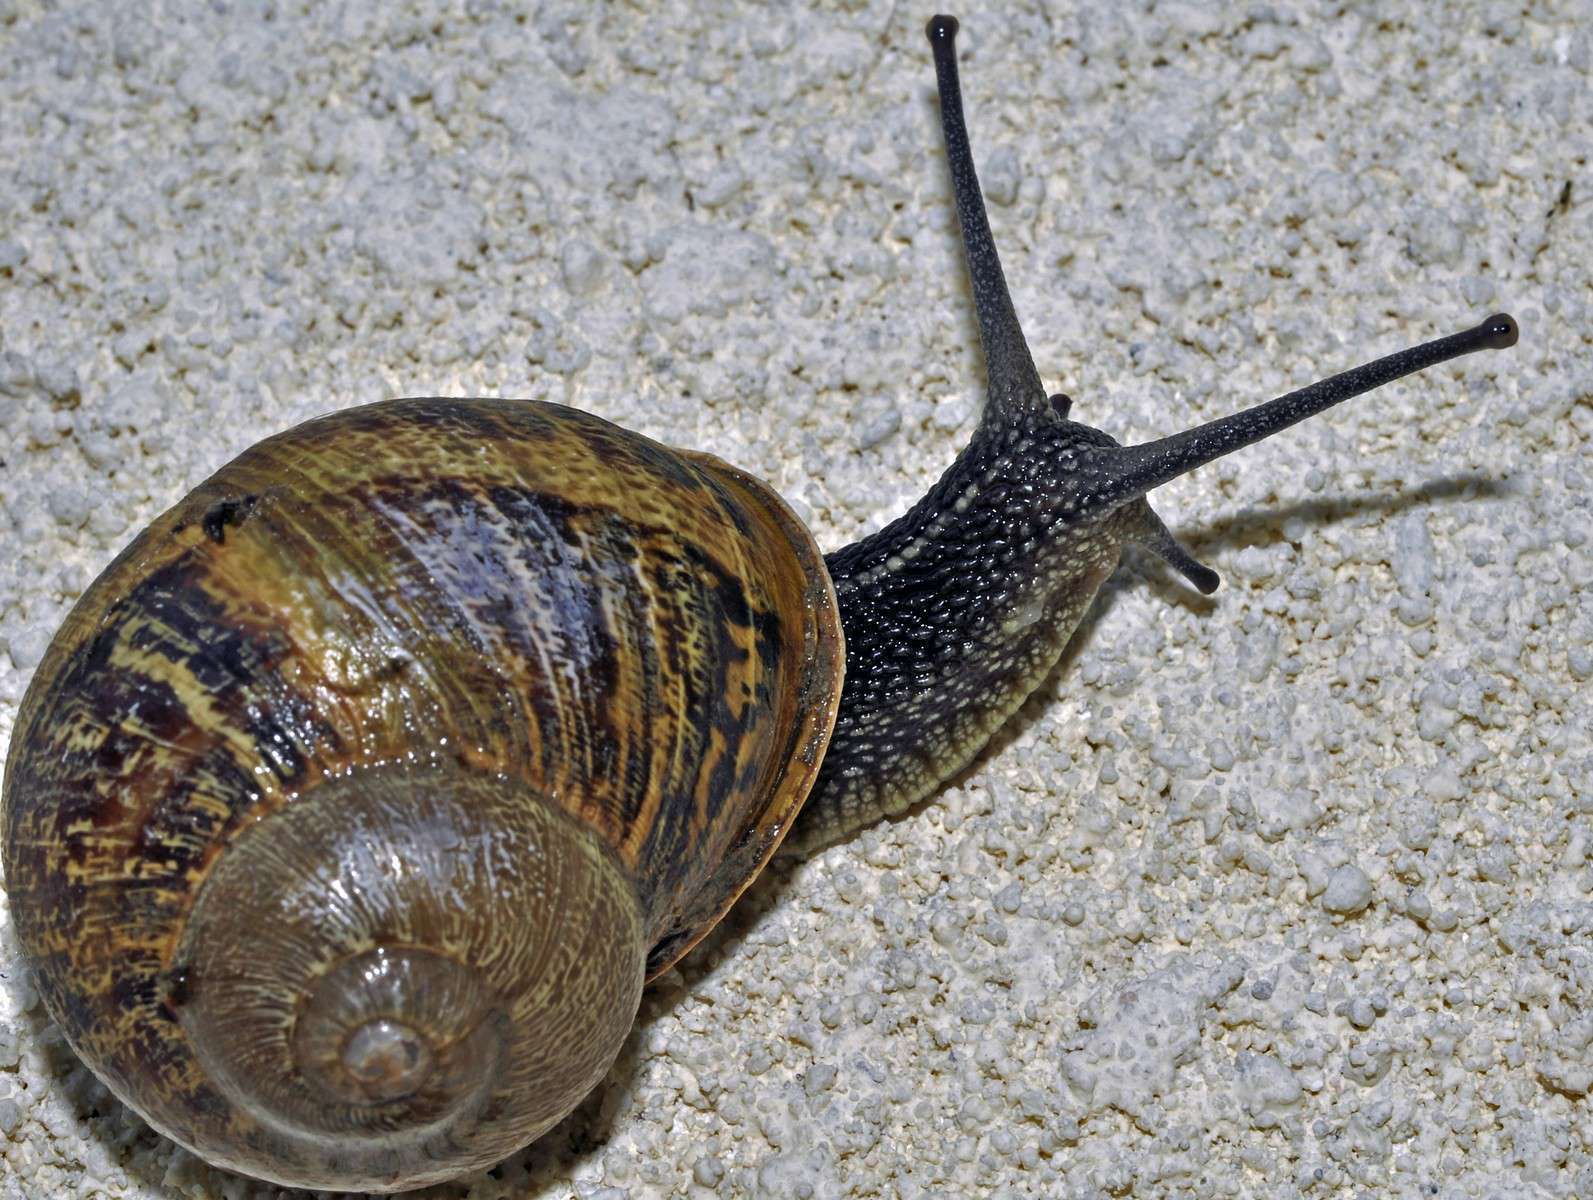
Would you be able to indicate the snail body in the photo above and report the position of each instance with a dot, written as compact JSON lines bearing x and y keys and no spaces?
{"x":355,"y":801}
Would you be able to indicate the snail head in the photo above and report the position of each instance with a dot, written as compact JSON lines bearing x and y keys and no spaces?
{"x":1091,"y":476}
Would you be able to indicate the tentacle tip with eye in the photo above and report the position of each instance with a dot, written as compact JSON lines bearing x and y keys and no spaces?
{"x":941,"y":29}
{"x":1499,"y":332}
{"x":1206,"y":580}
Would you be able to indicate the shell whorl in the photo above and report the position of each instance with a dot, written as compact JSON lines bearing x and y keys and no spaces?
{"x":299,"y":786}
{"x":407,"y":960}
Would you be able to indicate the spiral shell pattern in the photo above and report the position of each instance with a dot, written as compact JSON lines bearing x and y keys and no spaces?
{"x":353,"y":803}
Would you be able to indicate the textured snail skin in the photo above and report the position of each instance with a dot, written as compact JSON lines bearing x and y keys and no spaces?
{"x":957,"y":610}
{"x":351,"y":805}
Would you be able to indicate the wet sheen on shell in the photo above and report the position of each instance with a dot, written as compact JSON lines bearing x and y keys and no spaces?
{"x":302,"y":776}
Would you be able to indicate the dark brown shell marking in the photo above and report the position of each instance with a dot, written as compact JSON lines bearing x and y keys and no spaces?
{"x":648,"y":638}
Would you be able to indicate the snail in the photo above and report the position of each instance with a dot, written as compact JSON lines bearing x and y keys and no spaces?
{"x":355,"y":801}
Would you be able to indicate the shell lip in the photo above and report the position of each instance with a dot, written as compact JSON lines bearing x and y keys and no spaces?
{"x":793,"y":771}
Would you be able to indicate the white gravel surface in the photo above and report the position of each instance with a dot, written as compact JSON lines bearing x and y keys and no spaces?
{"x":1285,"y":892}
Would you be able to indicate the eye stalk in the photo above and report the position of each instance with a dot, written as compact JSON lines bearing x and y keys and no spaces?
{"x":1138,"y":469}
{"x":1013,"y":385}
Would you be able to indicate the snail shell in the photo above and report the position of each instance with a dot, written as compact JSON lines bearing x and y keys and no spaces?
{"x":353,"y":803}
